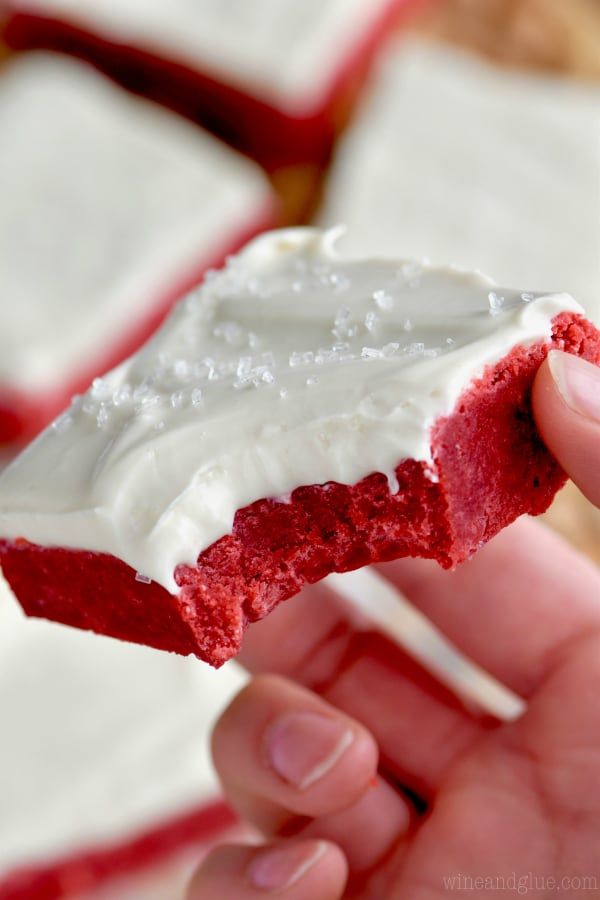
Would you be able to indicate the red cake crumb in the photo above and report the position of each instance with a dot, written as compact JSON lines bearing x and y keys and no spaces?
{"x":491,"y":466}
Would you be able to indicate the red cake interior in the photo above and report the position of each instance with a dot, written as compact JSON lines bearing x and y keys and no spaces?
{"x":491,"y":467}
{"x":22,"y":416}
{"x":275,"y":138}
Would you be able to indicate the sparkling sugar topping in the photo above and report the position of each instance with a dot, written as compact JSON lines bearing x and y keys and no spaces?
{"x":291,"y":366}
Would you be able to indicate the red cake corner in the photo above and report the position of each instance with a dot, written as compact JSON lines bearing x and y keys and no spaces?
{"x":490,"y":466}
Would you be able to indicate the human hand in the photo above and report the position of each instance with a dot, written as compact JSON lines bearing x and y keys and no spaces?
{"x":371,"y":780}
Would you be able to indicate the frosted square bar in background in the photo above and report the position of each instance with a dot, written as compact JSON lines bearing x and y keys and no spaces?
{"x":101,"y":742}
{"x":276,"y":77}
{"x":111,"y":209}
{"x":457,"y":160}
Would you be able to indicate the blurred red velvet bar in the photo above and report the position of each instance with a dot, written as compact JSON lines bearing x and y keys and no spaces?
{"x":105,"y":772}
{"x":111,"y":208}
{"x":275,"y":78}
{"x":455,"y":158}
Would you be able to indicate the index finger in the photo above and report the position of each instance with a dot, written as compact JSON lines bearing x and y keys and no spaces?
{"x":319,"y":641}
{"x":566,"y":405}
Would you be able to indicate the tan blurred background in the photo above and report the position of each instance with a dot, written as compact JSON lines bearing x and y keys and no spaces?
{"x":551,"y":35}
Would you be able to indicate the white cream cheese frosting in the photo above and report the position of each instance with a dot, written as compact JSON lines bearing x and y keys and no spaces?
{"x":101,"y":740}
{"x":291,"y":366}
{"x":285,"y":51}
{"x":469,"y":163}
{"x":107,"y":204}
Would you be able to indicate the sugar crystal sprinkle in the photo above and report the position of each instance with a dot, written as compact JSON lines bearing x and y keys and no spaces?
{"x":100,"y":388}
{"x":63,"y":422}
{"x":339,"y":282}
{"x":142,"y":578}
{"x":122,"y":395}
{"x":393,"y":483}
{"x":371,"y":353}
{"x":341,"y":324}
{"x":301,"y":358}
{"x":383,"y":299}
{"x":496,"y":302}
{"x":371,"y":320}
{"x":182,"y":369}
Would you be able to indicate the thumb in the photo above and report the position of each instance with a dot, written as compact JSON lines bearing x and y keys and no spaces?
{"x":566,"y":406}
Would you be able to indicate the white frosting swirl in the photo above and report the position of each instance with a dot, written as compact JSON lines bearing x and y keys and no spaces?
{"x":290,"y":367}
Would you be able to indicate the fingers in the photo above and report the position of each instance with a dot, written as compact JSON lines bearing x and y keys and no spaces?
{"x":291,"y":871}
{"x":307,"y":635}
{"x":292,"y":764}
{"x":419,"y":725}
{"x":566,"y":404}
{"x":287,"y":746}
{"x":513,"y":606}
{"x":561,"y":729}
{"x":368,"y":831}
{"x":421,"y":728}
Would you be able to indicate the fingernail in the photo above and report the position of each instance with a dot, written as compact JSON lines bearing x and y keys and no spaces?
{"x":578,"y":382}
{"x":304,"y":746}
{"x":278,"y":869}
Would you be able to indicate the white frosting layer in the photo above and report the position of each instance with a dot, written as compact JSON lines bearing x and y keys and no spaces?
{"x":468,"y":163}
{"x":107,"y":204}
{"x":285,"y":51}
{"x":100,"y":739}
{"x":290,"y":367}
